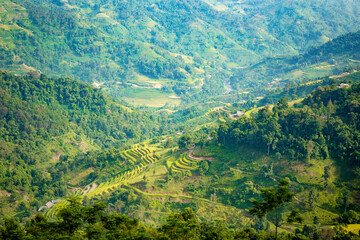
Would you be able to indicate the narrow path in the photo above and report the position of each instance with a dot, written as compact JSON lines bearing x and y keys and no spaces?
{"x":190,"y":155}
{"x":343,"y":74}
{"x":90,"y":189}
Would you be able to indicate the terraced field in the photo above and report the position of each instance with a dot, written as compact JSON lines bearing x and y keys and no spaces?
{"x":227,"y":108}
{"x":184,"y":164}
{"x":139,"y":158}
{"x":51,"y":213}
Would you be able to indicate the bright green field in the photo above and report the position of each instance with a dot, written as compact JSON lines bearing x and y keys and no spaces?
{"x":149,"y":97}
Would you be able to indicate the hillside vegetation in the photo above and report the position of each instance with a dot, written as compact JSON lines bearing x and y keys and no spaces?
{"x":218,"y":178}
{"x":312,"y":143}
{"x":192,"y":119}
{"x":44,"y":119}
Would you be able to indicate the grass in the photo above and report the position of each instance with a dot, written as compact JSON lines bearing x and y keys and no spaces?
{"x":324,"y":66}
{"x":244,"y":163}
{"x":255,"y":110}
{"x":216,"y":5}
{"x":297,"y":74}
{"x":247,"y":159}
{"x":207,"y":210}
{"x":149,"y":97}
{"x":324,"y":216}
{"x":313,"y":171}
{"x":141,"y":79}
{"x":355,"y":77}
{"x":249,"y":163}
{"x":77,"y":177}
{"x":353,"y":60}
{"x":311,"y":83}
{"x":15,"y":27}
{"x":240,"y":169}
{"x":291,"y":103}
{"x":159,"y":168}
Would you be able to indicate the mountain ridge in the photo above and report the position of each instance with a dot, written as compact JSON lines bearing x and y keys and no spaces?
{"x":173,"y":44}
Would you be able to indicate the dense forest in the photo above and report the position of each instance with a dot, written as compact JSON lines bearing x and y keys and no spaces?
{"x":322,"y":125}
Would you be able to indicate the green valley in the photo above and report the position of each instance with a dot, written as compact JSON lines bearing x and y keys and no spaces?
{"x":168,"y":119}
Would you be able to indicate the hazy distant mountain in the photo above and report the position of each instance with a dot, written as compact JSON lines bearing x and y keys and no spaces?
{"x":327,"y":59}
{"x":161,"y":39}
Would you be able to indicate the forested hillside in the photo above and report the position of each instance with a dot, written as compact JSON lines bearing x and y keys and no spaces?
{"x":312,"y":144}
{"x":42,"y":119}
{"x":321,"y":126}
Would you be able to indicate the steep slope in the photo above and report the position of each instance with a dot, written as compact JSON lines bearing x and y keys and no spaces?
{"x":44,"y":120}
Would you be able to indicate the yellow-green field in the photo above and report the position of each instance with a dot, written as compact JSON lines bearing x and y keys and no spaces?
{"x":77,"y":177}
{"x":150,"y":97}
{"x":354,"y":228}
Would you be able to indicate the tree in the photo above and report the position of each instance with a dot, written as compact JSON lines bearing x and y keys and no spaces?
{"x":278,"y":156}
{"x":282,"y":104}
{"x":184,"y":141}
{"x":294,"y":216}
{"x":313,"y":195}
{"x":316,"y":220}
{"x":222,"y":132}
{"x":33,"y":74}
{"x":72,"y":215}
{"x":327,"y":233}
{"x":12,"y":230}
{"x":309,"y":149}
{"x":213,"y":199}
{"x":326,"y":175}
{"x":350,"y":217}
{"x":273,"y":199}
{"x":357,"y":171}
{"x":201,"y":143}
{"x":144,"y":179}
{"x":168,"y":143}
{"x":330,"y":109}
{"x":268,"y":139}
{"x":204,"y":167}
{"x":182,"y":225}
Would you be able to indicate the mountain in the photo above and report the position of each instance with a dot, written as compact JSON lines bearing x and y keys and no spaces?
{"x":330,"y":58}
{"x":178,"y":46}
